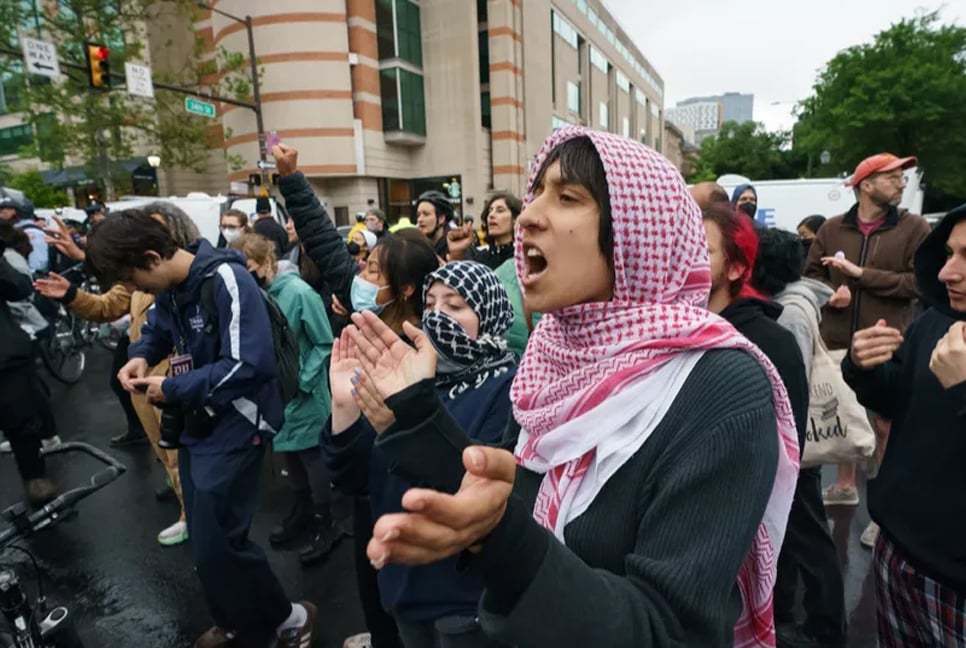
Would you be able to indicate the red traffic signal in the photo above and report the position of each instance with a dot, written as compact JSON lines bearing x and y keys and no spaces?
{"x":98,"y":65}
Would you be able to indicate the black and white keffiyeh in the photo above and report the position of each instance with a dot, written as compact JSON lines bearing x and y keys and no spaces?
{"x":464,"y":362}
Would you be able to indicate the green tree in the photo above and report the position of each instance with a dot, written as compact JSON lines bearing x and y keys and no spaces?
{"x":905,"y":93}
{"x":747,"y":149}
{"x":76,"y":125}
{"x":34,"y":186}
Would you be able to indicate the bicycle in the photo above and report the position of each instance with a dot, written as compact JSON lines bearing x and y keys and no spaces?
{"x":62,"y":345}
{"x":31,"y":623}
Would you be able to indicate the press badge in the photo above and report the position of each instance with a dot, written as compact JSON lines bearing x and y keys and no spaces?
{"x":182,"y":364}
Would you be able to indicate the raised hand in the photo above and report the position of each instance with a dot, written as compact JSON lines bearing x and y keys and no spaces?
{"x":60,"y":237}
{"x":875,"y":345}
{"x":286,"y":159}
{"x":342,"y":367}
{"x":459,"y":241}
{"x":390,"y":364}
{"x":441,"y":525}
{"x":54,"y":287}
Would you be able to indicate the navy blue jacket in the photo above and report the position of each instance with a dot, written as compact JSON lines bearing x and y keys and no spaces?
{"x":234,"y":377}
{"x":426,"y":592}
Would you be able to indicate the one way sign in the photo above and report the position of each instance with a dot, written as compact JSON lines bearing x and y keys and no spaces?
{"x":41,"y":57}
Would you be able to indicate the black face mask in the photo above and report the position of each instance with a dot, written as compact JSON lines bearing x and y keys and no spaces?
{"x":258,"y":279}
{"x":354,"y":248}
{"x":749,"y":208}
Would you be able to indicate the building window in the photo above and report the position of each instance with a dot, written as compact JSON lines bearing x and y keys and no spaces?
{"x":573,"y":97}
{"x":643,"y":137}
{"x":598,"y":60}
{"x":14,"y":138}
{"x":398,"y":32}
{"x":484,"y":38}
{"x":603,"y":118}
{"x":657,"y":144}
{"x":592,"y":17}
{"x":557,"y":123}
{"x":403,"y":101}
{"x":486,"y":110}
{"x":622,"y":81}
{"x":640,"y":97}
{"x":564,"y":29}
{"x":626,"y":127}
{"x":582,"y":6}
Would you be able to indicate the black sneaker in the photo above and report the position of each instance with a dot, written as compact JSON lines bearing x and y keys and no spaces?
{"x":298,"y":520}
{"x":326,"y":539}
{"x":129,"y":439}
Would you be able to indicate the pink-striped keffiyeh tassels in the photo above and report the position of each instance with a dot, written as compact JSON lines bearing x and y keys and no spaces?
{"x":609,"y":357}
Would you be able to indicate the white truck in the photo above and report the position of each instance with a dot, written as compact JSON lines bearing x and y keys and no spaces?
{"x":203,"y":209}
{"x":784,"y":203}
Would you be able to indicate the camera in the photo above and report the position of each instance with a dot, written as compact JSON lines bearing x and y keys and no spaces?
{"x":175,"y":420}
{"x":172,"y":425}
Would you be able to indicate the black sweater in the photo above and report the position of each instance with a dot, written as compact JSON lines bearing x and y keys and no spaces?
{"x":756,"y":320}
{"x":654,"y":561}
{"x":919,"y":495}
{"x":321,"y":241}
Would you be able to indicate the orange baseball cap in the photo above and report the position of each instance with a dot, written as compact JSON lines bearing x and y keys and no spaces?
{"x":879,"y":163}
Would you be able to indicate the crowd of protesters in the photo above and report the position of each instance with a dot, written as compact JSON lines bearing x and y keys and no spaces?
{"x":538,"y":452}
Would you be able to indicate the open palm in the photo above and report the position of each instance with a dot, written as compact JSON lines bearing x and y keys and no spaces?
{"x":389,"y":362}
{"x":342,"y":367}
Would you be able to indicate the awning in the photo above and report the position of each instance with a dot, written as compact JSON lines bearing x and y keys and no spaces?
{"x":81,"y":174}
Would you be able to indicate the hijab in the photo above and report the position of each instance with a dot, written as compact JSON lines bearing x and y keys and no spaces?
{"x":625,"y":361}
{"x":464,"y":363}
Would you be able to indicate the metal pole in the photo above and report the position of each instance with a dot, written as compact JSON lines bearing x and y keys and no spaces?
{"x":257,"y":100}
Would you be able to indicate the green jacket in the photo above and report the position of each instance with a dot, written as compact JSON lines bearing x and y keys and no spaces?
{"x":518,"y":334}
{"x":306,"y":414}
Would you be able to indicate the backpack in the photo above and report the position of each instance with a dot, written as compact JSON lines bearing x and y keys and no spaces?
{"x":283,"y":339}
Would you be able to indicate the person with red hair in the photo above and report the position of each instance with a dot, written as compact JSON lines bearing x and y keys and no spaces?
{"x":733,"y":248}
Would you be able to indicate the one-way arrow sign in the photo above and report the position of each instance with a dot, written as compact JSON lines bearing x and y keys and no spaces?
{"x":40,"y":57}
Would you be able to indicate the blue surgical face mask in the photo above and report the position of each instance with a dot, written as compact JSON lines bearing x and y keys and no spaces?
{"x":363,"y":295}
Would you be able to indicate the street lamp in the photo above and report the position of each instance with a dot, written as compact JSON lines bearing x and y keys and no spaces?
{"x":256,"y":92}
{"x":154,"y":161}
{"x":826,"y":157}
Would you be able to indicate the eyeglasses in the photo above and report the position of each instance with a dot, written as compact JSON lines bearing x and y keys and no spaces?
{"x":896,"y":179}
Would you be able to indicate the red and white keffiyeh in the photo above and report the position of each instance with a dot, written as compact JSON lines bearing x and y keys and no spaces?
{"x":610,"y":357}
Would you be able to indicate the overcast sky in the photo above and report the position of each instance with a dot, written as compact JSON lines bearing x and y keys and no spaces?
{"x":771,"y":48}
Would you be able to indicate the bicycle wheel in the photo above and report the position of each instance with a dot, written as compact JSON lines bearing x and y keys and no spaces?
{"x":62,"y":356}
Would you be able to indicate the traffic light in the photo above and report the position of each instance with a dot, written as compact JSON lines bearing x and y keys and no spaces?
{"x":98,"y":65}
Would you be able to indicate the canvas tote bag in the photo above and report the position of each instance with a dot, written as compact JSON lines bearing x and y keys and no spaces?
{"x":837,"y":428}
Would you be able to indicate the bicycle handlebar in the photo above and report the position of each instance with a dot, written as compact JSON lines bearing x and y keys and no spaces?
{"x":67,"y":499}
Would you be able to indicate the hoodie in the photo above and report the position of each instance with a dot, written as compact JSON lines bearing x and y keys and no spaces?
{"x":757,"y":320}
{"x":233,"y":375}
{"x":918,"y":496}
{"x":802,"y":302}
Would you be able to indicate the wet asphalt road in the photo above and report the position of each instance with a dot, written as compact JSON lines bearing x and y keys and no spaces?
{"x":125,"y":590}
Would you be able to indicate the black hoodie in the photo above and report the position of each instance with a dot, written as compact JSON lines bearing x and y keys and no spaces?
{"x":756,"y":320}
{"x":919,"y":496}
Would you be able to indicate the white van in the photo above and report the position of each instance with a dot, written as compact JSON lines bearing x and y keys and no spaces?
{"x":203,"y":209}
{"x":785,"y":203}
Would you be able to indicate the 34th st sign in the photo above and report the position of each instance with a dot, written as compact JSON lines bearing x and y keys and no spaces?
{"x":199,"y":107}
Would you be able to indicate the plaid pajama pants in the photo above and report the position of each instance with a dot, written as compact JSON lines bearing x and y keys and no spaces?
{"x":914,"y":610}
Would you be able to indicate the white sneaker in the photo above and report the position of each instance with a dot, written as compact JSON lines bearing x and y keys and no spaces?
{"x":363,"y":640}
{"x":174,"y":534}
{"x":870,"y":535}
{"x":46,"y":443}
